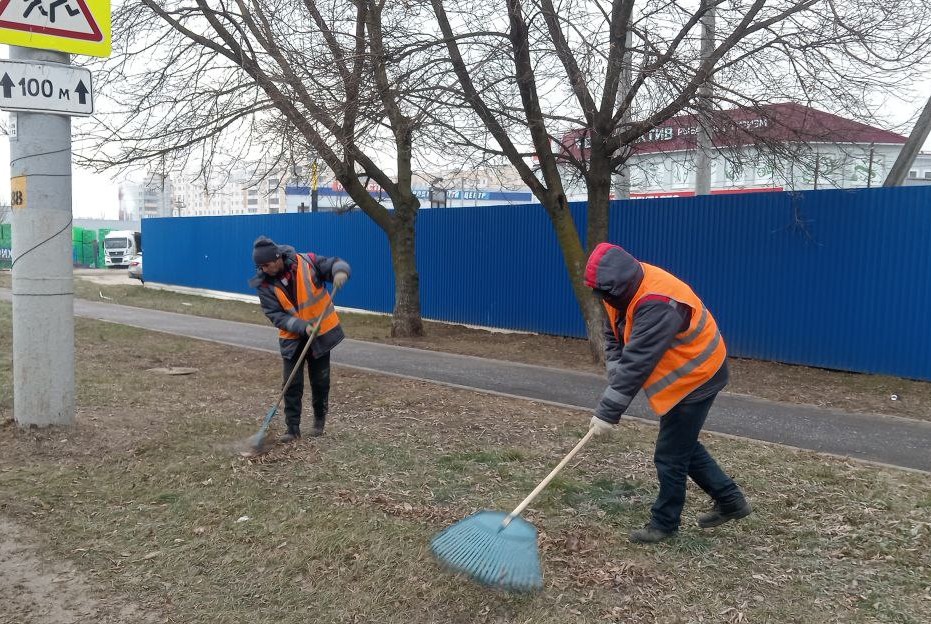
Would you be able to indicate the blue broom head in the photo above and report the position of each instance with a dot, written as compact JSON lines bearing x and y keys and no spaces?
{"x":504,"y":558}
{"x":256,"y":444}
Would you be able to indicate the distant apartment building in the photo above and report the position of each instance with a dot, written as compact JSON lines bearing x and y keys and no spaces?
{"x":240,"y":194}
{"x":266,"y":196}
{"x":194,"y":199}
{"x":143,"y":200}
{"x":455,"y":188}
{"x":179,"y":196}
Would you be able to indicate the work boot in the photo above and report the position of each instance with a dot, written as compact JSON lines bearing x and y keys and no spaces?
{"x":721,"y":513}
{"x":649,"y":534}
{"x":319,"y":423}
{"x":293,"y":435}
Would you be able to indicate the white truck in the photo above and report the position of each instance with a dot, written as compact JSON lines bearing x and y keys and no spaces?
{"x":120,"y":246}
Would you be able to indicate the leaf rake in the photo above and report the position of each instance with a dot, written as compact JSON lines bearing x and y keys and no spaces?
{"x":495,"y":549}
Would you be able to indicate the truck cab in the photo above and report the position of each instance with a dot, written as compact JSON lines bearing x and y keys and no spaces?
{"x":120,"y":246}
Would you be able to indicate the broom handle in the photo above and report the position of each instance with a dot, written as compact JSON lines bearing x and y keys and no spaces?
{"x":310,"y":339}
{"x":578,"y":447}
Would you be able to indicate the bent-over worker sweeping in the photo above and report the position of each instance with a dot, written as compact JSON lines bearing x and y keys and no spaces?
{"x":660,"y":338}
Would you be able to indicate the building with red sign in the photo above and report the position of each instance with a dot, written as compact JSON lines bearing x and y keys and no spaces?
{"x":768,"y":148}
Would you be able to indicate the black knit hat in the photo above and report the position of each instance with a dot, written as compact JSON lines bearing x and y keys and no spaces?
{"x":264,"y":250}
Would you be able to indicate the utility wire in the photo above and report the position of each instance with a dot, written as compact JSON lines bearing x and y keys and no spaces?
{"x":37,"y":245}
{"x":58,"y":151}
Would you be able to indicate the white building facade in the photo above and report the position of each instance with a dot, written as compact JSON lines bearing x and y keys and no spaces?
{"x":782,"y":147}
{"x":150,"y":198}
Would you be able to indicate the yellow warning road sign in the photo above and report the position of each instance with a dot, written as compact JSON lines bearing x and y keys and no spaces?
{"x":75,"y":26}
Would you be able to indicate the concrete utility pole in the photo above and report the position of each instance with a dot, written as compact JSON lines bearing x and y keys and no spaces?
{"x":314,"y":200}
{"x":911,"y":148}
{"x":43,"y":281}
{"x":703,"y":155}
{"x":622,"y":177}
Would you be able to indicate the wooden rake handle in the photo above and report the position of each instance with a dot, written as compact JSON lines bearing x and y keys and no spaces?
{"x":523,"y":505}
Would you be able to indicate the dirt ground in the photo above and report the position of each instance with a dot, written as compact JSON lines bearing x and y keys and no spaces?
{"x":144,"y":513}
{"x":35,"y":590}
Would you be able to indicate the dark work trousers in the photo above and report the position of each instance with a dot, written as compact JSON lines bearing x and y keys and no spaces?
{"x":319,"y":373}
{"x":680,"y":455}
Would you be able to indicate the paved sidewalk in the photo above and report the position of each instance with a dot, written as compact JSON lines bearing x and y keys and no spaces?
{"x":886,"y":439}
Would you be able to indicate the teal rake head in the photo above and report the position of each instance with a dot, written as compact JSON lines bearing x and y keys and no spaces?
{"x":498,"y":549}
{"x":482,"y":548}
{"x":256,"y":445}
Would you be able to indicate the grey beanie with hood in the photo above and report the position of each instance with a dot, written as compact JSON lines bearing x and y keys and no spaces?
{"x":613,"y":272}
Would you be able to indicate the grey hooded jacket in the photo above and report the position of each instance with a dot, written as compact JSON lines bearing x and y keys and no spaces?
{"x":618,"y":275}
{"x":324,"y":269}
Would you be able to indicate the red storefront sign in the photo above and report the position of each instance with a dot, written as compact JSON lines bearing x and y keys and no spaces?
{"x":728,"y":191}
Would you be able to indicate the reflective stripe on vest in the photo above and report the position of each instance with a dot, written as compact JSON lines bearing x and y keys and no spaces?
{"x":312,"y":301}
{"x":695,"y":355}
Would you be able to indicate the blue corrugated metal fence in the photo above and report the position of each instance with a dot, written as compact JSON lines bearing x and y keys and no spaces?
{"x":839,"y":279}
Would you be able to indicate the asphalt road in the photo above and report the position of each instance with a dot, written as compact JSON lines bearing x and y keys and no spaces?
{"x":885,"y":439}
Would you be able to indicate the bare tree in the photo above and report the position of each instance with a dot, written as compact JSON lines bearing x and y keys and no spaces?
{"x":211,"y":84}
{"x":534,"y":71}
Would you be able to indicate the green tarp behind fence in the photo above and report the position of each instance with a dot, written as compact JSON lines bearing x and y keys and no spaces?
{"x":86,"y":247}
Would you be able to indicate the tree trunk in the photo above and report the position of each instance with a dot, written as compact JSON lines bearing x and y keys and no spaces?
{"x":598,"y":185}
{"x":594,"y":324}
{"x":406,"y":320}
{"x":575,"y":257}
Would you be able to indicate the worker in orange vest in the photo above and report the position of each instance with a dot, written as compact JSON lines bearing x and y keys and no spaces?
{"x":293,"y":296}
{"x":661,"y":339}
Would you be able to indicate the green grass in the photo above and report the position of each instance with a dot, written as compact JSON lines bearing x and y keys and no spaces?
{"x":491,"y":458}
{"x":144,"y":495}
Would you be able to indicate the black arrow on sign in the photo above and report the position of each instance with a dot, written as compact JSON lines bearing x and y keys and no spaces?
{"x":7,"y":84}
{"x":81,"y":90}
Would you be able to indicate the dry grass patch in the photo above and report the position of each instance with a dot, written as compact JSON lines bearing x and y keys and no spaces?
{"x":145,"y":499}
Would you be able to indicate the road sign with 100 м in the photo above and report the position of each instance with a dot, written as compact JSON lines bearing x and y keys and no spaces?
{"x":45,"y":88}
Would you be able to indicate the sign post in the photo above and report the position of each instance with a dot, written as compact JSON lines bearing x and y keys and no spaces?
{"x":43,"y":284}
{"x":43,"y":90}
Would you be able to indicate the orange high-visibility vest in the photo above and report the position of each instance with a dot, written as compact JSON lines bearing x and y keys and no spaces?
{"x":697,"y":352}
{"x":312,"y":300}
